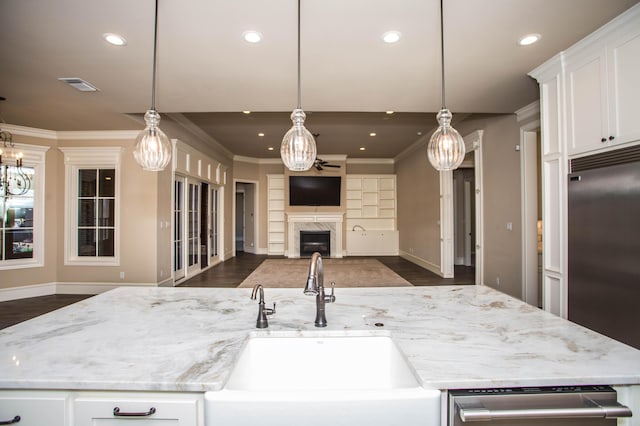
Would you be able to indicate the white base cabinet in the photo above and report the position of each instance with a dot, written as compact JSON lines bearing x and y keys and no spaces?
{"x":68,"y":408}
{"x":34,"y":408}
{"x":372,"y":243}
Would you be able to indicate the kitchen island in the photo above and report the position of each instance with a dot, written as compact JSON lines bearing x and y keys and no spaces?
{"x":187,"y":339}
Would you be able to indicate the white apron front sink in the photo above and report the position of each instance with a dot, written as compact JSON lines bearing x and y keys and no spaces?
{"x":322,"y":380}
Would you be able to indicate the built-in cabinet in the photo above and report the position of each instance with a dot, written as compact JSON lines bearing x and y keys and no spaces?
{"x":371,"y":215}
{"x":68,"y":408}
{"x":275,"y":215}
{"x":371,"y":201}
{"x":602,"y":91}
{"x":589,"y":102}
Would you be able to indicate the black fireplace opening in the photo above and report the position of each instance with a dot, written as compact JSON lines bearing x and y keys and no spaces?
{"x":312,"y":241}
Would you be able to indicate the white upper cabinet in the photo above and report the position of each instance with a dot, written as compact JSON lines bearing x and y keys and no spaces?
{"x":602,"y":92}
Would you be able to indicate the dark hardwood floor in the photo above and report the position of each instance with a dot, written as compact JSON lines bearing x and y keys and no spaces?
{"x":226,"y":274}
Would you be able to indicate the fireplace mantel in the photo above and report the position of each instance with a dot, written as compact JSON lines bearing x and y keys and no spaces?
{"x":314,"y":221}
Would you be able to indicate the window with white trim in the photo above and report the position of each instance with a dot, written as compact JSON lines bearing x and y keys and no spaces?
{"x":22,"y":209}
{"x":92,"y":219}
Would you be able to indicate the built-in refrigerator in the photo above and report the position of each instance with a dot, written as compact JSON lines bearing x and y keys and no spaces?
{"x":604,"y":244}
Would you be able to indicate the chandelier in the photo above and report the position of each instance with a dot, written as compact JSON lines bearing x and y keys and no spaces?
{"x":13,"y":179}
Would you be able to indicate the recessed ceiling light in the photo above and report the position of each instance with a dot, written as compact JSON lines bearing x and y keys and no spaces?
{"x":419,"y":133}
{"x":270,"y":148}
{"x":372,"y":134}
{"x":115,"y":39}
{"x":389,"y":112}
{"x":252,"y":36}
{"x":529,"y":39}
{"x":362,"y":148}
{"x":391,"y":37}
{"x":261,"y":134}
{"x":246,"y":112}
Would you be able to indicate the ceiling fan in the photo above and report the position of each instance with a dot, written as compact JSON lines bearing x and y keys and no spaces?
{"x":320,"y":164}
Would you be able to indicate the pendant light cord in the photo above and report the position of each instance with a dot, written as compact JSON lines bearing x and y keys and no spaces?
{"x":442,"y":50}
{"x":299,"y":96}
{"x":155,"y":43}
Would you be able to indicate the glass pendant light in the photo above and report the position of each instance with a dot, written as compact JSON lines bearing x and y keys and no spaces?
{"x":446,"y":146}
{"x":298,"y":149}
{"x":153,"y":149}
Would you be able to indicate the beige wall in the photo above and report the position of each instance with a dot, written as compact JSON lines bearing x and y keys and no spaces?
{"x":502,"y":200}
{"x":418,"y":203}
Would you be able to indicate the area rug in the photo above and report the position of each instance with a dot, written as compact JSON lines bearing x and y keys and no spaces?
{"x":291,"y":273}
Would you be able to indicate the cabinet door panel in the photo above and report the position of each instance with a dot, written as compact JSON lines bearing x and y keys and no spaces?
{"x":624,"y":89}
{"x":587,"y":106}
{"x":33,"y":409}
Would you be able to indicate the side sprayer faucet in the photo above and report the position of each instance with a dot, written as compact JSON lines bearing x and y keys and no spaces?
{"x":315,"y":287}
{"x":262,"y":322}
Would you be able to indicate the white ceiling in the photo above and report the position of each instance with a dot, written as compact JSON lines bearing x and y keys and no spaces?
{"x":207,"y":73}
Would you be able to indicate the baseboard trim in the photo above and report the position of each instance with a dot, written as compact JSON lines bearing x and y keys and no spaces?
{"x":422,"y":262}
{"x":48,"y":289}
{"x":25,"y":292}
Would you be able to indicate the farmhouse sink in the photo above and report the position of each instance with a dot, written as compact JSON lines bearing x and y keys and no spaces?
{"x":316,"y":379}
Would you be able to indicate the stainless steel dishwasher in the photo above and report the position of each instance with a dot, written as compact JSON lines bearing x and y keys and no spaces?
{"x":536,"y":406}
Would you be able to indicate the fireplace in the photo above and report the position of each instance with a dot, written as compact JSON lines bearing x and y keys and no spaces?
{"x":312,"y":241}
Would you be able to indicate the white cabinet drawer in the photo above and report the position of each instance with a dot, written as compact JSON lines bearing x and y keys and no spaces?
{"x":34,"y":408}
{"x":153,"y":409}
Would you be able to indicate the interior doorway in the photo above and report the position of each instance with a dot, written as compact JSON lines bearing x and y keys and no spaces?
{"x":245,"y":217}
{"x":449,"y":209}
{"x":464,"y":216}
{"x":240,"y":225}
{"x":531,"y":181}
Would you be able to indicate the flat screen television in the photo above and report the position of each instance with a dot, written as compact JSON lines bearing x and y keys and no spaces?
{"x":314,"y":190}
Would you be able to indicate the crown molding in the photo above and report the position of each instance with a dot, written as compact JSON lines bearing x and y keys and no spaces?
{"x":253,"y":160}
{"x":530,"y":111}
{"x":371,"y":161}
{"x":98,"y":134}
{"x":29,"y":131}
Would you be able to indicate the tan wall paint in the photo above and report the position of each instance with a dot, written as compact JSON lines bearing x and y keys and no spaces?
{"x":502,"y":199}
{"x":138,"y":221}
{"x":370,"y":169}
{"x":418,"y":201}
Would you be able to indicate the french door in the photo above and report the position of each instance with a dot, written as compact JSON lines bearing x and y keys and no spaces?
{"x":197,"y":221}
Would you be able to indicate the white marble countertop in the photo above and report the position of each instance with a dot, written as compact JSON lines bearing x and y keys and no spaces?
{"x":186,"y":339}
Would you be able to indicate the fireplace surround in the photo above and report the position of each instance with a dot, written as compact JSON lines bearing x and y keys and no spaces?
{"x":331,"y":222}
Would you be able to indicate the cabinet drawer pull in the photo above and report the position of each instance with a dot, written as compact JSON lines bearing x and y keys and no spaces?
{"x":117,"y":413}
{"x":603,"y":140}
{"x":16,"y":419}
{"x":611,"y":138}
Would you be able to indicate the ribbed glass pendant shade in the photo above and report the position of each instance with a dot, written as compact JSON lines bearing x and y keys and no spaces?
{"x":153,"y":149}
{"x":446,"y":146}
{"x":298,"y":148}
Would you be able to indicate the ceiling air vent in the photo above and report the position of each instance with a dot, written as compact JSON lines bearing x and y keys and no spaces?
{"x":80,"y":84}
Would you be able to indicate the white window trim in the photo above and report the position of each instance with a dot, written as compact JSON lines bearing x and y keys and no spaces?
{"x":33,"y":156}
{"x":76,"y":158}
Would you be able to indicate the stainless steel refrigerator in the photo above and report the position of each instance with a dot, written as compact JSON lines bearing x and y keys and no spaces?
{"x":604,"y":244}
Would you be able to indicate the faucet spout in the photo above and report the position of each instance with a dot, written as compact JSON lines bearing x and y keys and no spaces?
{"x":263,"y":311}
{"x":315,"y":287}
